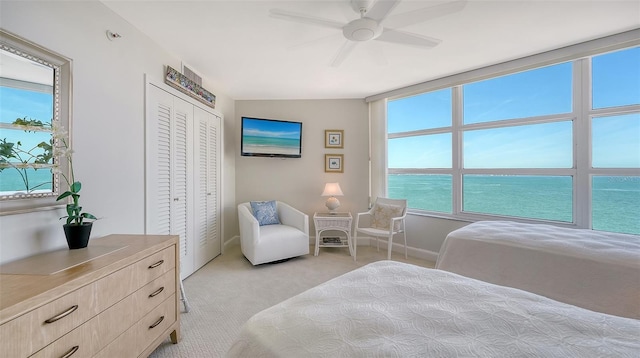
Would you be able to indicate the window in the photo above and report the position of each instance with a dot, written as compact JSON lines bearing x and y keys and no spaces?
{"x":20,"y":149}
{"x":615,"y":203}
{"x":526,"y":196}
{"x":528,"y":145}
{"x":429,"y":192}
{"x":616,"y":141}
{"x":527,"y":94}
{"x":616,"y":79}
{"x":547,"y":145}
{"x":425,"y":111}
{"x":425,"y":151}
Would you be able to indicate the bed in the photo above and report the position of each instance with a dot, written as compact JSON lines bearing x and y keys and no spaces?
{"x":392,"y":309}
{"x":596,"y":270}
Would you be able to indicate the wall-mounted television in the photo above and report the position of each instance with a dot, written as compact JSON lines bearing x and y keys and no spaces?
{"x":263,"y":137}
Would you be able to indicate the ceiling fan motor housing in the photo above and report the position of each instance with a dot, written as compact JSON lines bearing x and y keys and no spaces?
{"x":363,"y":29}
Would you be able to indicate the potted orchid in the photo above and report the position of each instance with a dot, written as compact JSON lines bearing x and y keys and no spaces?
{"x":76,"y":230}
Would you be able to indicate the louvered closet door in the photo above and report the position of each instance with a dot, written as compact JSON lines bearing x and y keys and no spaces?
{"x":183,"y":116}
{"x":207,"y":192}
{"x":168,"y":124}
{"x":158,"y":161}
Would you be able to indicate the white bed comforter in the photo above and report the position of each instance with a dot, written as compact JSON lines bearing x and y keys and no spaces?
{"x":596,"y":270}
{"x":392,"y":309}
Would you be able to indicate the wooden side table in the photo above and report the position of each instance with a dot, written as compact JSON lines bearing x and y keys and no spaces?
{"x":333,"y":221}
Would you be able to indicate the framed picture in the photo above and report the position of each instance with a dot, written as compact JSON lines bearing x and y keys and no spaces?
{"x":333,"y":163}
{"x":180,"y":82}
{"x":333,"y":138}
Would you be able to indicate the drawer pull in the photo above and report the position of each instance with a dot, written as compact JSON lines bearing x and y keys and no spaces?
{"x":71,"y":352}
{"x":157,"y":322}
{"x":157,"y":292}
{"x":156,"y":264}
{"x":62,"y":315}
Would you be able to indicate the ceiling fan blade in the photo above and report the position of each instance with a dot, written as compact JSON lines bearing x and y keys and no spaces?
{"x":305,"y":19}
{"x":406,"y":38}
{"x":424,"y":14}
{"x":344,"y":51}
{"x":381,"y":9}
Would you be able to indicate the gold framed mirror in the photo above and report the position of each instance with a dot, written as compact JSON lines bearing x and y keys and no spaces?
{"x":35,"y":98}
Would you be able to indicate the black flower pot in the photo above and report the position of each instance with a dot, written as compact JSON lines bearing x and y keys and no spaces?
{"x":77,"y":235}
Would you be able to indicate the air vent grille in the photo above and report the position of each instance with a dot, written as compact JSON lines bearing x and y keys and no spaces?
{"x":191,"y":75}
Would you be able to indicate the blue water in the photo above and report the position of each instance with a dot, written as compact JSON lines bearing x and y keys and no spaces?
{"x":615,"y":202}
{"x":284,"y":143}
{"x":10,"y":179}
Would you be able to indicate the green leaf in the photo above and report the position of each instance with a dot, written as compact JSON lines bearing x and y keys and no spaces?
{"x":89,"y":216}
{"x":75,"y":187}
{"x":63,"y":195}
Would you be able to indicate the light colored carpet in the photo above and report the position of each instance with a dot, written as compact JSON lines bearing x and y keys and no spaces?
{"x":227,"y":291}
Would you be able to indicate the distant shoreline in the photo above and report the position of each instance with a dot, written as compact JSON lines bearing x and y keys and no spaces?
{"x":269,"y":149}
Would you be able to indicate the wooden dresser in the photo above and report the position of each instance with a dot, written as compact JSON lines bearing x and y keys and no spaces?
{"x":119,"y":297}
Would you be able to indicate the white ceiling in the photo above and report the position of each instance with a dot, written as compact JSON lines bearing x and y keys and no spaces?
{"x":247,"y":54}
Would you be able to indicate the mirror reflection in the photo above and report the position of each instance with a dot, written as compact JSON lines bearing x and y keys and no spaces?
{"x":35,"y":102}
{"x":26,"y":115}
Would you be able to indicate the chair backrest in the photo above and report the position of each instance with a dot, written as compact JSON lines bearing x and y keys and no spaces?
{"x":384,"y":209}
{"x":397,"y":202}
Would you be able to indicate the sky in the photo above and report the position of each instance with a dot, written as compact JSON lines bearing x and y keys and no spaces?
{"x":271,"y":128}
{"x":539,"y":92}
{"x":16,"y":103}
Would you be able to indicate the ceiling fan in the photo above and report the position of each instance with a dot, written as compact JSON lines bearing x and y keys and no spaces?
{"x":369,"y":26}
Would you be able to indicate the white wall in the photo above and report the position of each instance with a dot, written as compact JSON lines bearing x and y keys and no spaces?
{"x":108,"y":132}
{"x":300,"y":182}
{"x":108,"y":119}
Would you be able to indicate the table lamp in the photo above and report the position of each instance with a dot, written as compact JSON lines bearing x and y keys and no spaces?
{"x":332,"y":190}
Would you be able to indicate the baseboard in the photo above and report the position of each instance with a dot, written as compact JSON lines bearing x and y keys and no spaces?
{"x":234,"y":241}
{"x":362,"y":241}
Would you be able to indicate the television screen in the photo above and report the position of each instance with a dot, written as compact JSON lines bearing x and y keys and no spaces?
{"x":271,"y":138}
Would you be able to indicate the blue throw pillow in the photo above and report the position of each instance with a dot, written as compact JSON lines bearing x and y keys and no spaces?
{"x":265,"y":212}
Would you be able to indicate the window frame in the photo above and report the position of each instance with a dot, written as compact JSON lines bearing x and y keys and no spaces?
{"x":581,"y":172}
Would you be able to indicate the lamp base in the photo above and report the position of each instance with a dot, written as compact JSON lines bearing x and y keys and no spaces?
{"x":332,"y":204}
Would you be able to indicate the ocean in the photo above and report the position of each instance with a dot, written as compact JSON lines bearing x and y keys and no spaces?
{"x":615,"y":202}
{"x":258,"y":144}
{"x":10,"y":179}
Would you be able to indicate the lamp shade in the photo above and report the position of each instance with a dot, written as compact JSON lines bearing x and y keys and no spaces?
{"x":332,"y":189}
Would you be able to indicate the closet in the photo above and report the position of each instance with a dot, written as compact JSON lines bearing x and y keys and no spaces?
{"x":182,"y":174}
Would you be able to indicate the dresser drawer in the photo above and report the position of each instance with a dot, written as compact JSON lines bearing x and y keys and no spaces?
{"x":123,"y":346}
{"x":152,"y":267}
{"x":129,"y":279}
{"x":89,"y":338}
{"x":155,"y":323}
{"x":154,"y":293}
{"x":32,"y":331}
{"x":136,"y":339}
{"x":76,"y":343}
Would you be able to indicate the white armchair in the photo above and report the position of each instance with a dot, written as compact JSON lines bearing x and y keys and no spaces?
{"x":384,"y":219}
{"x":268,"y":243}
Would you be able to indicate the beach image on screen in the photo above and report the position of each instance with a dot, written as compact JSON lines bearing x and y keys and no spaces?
{"x":269,"y":137}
